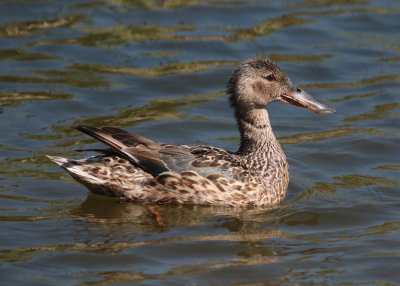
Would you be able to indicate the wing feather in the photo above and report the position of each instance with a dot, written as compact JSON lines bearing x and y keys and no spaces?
{"x":138,"y":149}
{"x":156,"y":158}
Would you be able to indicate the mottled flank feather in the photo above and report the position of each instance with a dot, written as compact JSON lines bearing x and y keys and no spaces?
{"x":135,"y":168}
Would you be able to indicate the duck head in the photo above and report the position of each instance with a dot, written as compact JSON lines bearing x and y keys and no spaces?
{"x":256,"y":82}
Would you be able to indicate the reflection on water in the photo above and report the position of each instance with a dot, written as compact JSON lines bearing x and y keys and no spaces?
{"x":109,"y":37}
{"x":381,"y":111}
{"x":22,"y":55}
{"x":13,"y":99}
{"x":72,"y":77}
{"x":351,"y":181}
{"x":134,"y":5}
{"x":159,"y":68}
{"x":267,"y":27}
{"x":25,"y":28}
{"x":319,"y":136}
{"x":366,"y":81}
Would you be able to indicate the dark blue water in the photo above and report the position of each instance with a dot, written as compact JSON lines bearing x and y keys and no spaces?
{"x":159,"y":68}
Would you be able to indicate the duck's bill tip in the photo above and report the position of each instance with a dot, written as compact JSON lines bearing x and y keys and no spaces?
{"x":299,"y":97}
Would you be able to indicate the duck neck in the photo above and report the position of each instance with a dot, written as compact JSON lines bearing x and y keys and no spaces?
{"x":259,"y":149}
{"x":255,"y":131}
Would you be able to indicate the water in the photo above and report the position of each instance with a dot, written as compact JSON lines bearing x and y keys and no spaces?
{"x":159,"y":68}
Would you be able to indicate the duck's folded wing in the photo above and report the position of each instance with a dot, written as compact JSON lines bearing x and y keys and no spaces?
{"x":138,"y":149}
{"x":155,"y":157}
{"x":204,"y":160}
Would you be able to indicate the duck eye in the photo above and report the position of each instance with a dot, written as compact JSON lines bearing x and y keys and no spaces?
{"x":270,"y":77}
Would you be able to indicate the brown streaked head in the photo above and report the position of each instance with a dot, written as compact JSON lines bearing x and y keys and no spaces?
{"x":256,"y":82}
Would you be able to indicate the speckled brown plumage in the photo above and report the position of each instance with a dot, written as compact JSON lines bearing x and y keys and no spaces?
{"x":139,"y":169}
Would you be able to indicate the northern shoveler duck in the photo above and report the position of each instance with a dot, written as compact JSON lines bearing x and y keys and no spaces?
{"x":139,"y":169}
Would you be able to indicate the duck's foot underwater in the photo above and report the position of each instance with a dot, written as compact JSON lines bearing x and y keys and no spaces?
{"x":156,"y":215}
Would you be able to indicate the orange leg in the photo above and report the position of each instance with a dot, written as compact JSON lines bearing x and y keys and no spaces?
{"x":156,"y":214}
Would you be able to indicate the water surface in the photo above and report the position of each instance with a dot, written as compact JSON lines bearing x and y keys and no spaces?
{"x":159,"y":68}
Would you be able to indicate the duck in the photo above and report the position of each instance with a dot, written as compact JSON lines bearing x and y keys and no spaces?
{"x":138,"y":169}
